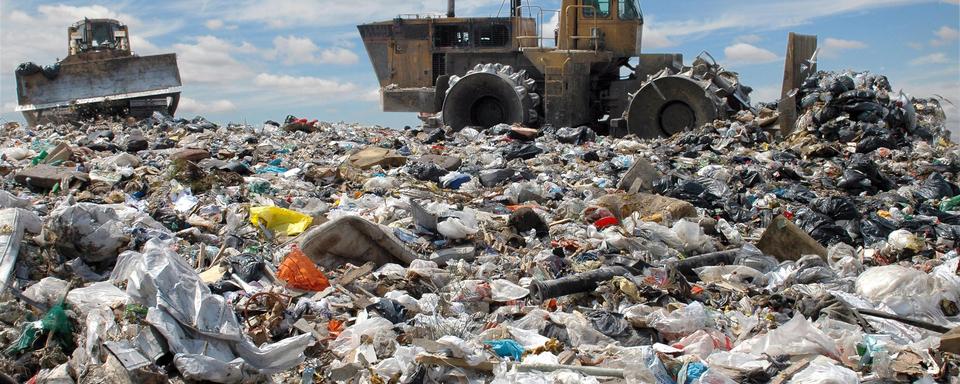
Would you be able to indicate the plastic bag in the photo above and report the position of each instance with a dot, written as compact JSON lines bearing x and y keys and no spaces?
{"x":461,"y":226}
{"x":505,"y":290}
{"x":92,"y":232}
{"x":904,"y":240}
{"x":907,"y":291}
{"x":680,"y":322}
{"x":506,"y":348}
{"x":301,"y":273}
{"x":837,"y":207}
{"x":825,"y":371}
{"x":280,"y":220}
{"x":821,"y":227}
{"x":795,"y":337}
{"x":48,"y":290}
{"x":692,"y":236}
{"x":351,"y":338}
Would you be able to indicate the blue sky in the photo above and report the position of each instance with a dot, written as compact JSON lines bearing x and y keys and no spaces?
{"x":253,"y":60}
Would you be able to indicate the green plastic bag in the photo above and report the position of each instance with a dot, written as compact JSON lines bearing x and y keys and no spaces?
{"x":950,"y":204}
{"x":55,"y":321}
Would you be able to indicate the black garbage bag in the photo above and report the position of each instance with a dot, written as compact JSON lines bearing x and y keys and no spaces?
{"x":51,"y":71}
{"x":247,"y":267}
{"x":521,"y":151}
{"x":687,"y":190}
{"x":875,"y":229}
{"x":389,"y":309}
{"x":872,"y":143}
{"x":556,"y":331}
{"x":847,"y":132}
{"x":426,"y":171}
{"x":616,"y":327}
{"x":863,"y":175}
{"x":927,"y":209}
{"x":493,"y":177}
{"x":936,"y":187}
{"x":948,"y":236}
{"x":576,"y":136}
{"x":750,"y":178}
{"x":821,"y":227}
{"x":28,"y":68}
{"x":837,"y":207}
{"x":795,"y":192}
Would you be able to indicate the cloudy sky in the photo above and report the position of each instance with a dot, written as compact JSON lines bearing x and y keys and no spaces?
{"x":253,"y":60}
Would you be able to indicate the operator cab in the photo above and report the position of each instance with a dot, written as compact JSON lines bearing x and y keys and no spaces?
{"x":601,"y":25}
{"x":96,"y":35}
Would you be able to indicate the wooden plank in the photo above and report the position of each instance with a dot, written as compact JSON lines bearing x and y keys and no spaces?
{"x":796,"y":68}
{"x":788,"y":373}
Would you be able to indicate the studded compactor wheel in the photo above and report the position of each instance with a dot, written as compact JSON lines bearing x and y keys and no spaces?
{"x":668,"y":105}
{"x":488,"y":95}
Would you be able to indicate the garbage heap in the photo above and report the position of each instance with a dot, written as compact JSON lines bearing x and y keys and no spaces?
{"x":182,"y":250}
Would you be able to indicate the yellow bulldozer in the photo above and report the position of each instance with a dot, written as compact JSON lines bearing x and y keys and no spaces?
{"x":482,"y":71}
{"x":101,"y":76}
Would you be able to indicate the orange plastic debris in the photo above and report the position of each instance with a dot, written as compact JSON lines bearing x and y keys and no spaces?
{"x":301,"y":273}
{"x":334,"y":327}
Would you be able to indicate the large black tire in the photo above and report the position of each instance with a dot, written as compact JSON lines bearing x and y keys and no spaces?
{"x":488,"y":95}
{"x":668,"y":105}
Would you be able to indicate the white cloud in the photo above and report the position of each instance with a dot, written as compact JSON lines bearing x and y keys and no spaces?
{"x":833,"y":47}
{"x":743,"y":53}
{"x":211,"y":60}
{"x":325,"y":13}
{"x":189,"y":105}
{"x":766,"y":93}
{"x":299,"y":50}
{"x":654,"y":38}
{"x":751,"y":16}
{"x":547,"y":30}
{"x":9,"y":107}
{"x":337,"y":55}
{"x":933,"y":58}
{"x":944,"y":35}
{"x":915,"y":45}
{"x":749,"y":39}
{"x":373,"y":95}
{"x":214,"y":24}
{"x":305,"y":85}
{"x":39,"y":34}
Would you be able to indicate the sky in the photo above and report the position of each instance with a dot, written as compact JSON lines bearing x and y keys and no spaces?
{"x":254,"y":60}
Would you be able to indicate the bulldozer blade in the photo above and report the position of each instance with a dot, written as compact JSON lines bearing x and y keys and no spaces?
{"x":142,"y":79}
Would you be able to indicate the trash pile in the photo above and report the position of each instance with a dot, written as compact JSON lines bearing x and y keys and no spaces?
{"x":181,"y":250}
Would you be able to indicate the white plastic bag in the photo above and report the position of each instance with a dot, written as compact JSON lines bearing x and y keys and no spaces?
{"x":907,"y":291}
{"x":825,"y":371}
{"x":350,"y":339}
{"x":48,"y":290}
{"x":681,"y":322}
{"x":692,"y":236}
{"x":795,"y":337}
{"x":505,"y":290}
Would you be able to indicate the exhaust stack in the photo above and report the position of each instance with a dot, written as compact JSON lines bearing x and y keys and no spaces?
{"x":451,"y":8}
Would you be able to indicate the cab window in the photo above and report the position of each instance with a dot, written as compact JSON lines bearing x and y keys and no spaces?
{"x":601,"y":8}
{"x":628,"y":10}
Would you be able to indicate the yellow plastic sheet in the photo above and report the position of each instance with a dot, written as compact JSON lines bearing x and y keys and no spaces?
{"x":280,"y":220}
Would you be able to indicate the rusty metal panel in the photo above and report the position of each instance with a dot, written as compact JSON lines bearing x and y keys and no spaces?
{"x":409,"y":100}
{"x":411,"y":64}
{"x":132,"y":76}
